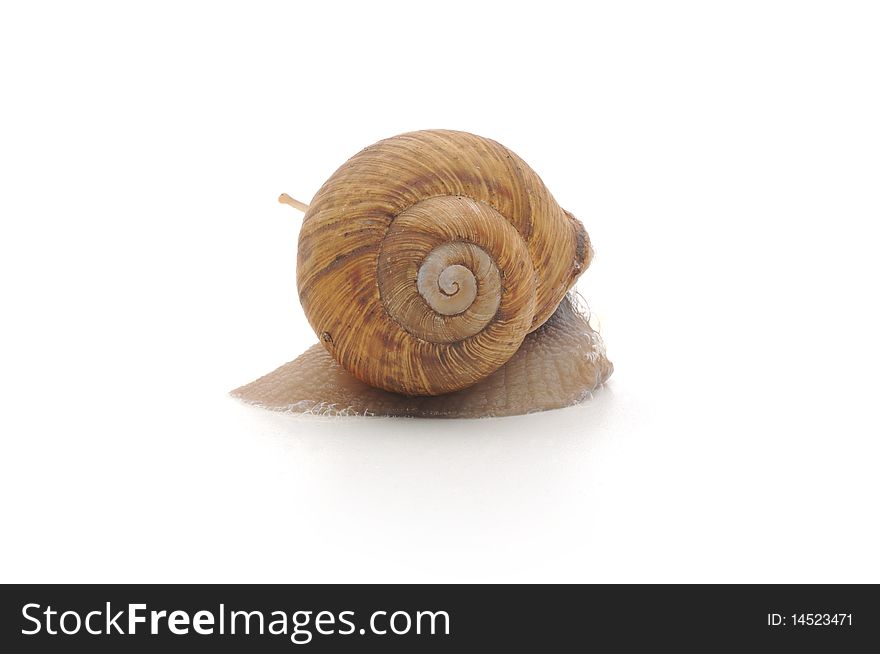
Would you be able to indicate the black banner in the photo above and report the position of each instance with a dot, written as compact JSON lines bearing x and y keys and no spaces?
{"x":414,"y":618}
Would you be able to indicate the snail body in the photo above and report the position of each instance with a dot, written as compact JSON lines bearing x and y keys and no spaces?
{"x":426,"y":259}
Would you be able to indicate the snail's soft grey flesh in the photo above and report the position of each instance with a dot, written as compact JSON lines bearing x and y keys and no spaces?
{"x":558,"y":365}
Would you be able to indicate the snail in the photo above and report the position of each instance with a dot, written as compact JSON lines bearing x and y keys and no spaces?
{"x":424,"y":264}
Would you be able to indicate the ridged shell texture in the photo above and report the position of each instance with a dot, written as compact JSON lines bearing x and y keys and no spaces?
{"x":426,"y":259}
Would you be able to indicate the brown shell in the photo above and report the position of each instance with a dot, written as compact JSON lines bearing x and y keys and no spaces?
{"x":457,"y":197}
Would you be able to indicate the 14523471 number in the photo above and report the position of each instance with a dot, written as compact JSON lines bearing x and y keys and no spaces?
{"x":821,"y":619}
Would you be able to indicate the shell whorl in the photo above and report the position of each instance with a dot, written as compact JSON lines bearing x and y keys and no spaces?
{"x":440,"y":271}
{"x":426,"y":258}
{"x":449,"y":286}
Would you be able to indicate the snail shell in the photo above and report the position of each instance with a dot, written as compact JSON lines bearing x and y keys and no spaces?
{"x":426,"y":258}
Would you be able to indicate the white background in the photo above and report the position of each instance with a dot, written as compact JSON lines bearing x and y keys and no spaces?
{"x":725,"y":158}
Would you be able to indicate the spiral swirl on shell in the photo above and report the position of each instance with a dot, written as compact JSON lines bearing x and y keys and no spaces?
{"x":426,"y":258}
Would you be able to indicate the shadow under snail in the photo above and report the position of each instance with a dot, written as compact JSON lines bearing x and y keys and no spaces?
{"x":434,"y":266}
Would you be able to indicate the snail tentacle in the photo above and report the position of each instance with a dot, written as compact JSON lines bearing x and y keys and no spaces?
{"x":296,"y":204}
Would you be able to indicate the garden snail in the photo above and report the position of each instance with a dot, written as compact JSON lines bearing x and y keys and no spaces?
{"x":427,"y":258}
